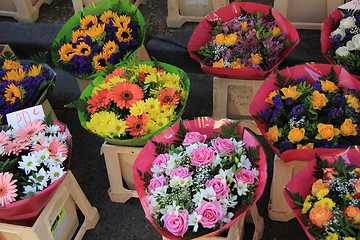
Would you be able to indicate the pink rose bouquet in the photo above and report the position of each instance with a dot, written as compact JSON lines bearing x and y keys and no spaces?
{"x":201,"y":178}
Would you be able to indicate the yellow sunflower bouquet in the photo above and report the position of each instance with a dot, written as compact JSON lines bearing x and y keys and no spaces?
{"x":98,"y":37}
{"x":134,"y":102}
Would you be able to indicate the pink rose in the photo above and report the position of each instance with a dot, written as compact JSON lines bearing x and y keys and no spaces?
{"x":177,"y":224}
{"x":202,"y":156}
{"x":161,"y":159}
{"x":156,"y":182}
{"x":182,"y":172}
{"x":193,"y":137}
{"x":223,"y":145}
{"x":221,"y":189}
{"x":211,"y":213}
{"x":245,"y":176}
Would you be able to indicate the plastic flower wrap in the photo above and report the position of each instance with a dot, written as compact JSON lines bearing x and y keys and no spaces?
{"x":242,"y":40}
{"x":22,"y":85}
{"x":98,"y":37}
{"x":198,"y":177}
{"x":325,"y":196}
{"x":308,"y":108}
{"x":340,"y":39}
{"x":134,"y":102}
{"x":33,"y":160}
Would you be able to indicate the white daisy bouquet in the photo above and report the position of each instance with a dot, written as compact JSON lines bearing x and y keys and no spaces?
{"x":202,"y":180}
{"x":32,"y":158}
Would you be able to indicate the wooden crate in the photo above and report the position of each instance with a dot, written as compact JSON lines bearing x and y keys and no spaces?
{"x":306,"y":14}
{"x":283,"y":172}
{"x":181,"y":11}
{"x":5,"y":48}
{"x":119,"y":161}
{"x":48,"y":109}
{"x":236,"y":231}
{"x":80,"y":4}
{"x":58,"y":220}
{"x":232,"y":99}
{"x":22,"y":10}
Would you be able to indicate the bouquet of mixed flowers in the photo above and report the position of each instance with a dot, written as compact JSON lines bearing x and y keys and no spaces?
{"x":134,"y":102}
{"x":98,"y":37}
{"x":33,"y":159}
{"x":198,"y":177}
{"x":242,"y":40}
{"x":340,"y":39}
{"x":327,"y":203}
{"x":22,"y":85}
{"x":308,"y":107}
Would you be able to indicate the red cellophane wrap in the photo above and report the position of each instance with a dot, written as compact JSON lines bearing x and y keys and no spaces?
{"x":202,"y":35}
{"x":312,"y":72}
{"x":27,"y":210}
{"x":304,"y":179}
{"x":204,"y":126}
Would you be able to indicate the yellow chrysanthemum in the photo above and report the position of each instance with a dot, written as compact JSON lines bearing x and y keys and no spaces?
{"x":78,"y":35}
{"x":322,"y":193}
{"x":161,"y":121}
{"x":151,"y":126}
{"x":332,"y":236}
{"x":96,"y":30}
{"x":349,"y":238}
{"x":117,"y":127}
{"x":99,"y":123}
{"x":153,"y":106}
{"x":102,"y":85}
{"x":325,"y":202}
{"x":83,"y":49}
{"x":66,"y":52}
{"x":122,"y":22}
{"x":306,"y":207}
{"x":109,"y":15}
{"x":110,"y":47}
{"x":12,"y":93}
{"x":100,"y":61}
{"x":137,"y":108}
{"x":171,"y":80}
{"x":151,"y":78}
{"x":34,"y":70}
{"x":9,"y":64}
{"x":256,"y":58}
{"x":349,"y":196}
{"x":16,"y":75}
{"x":84,"y":22}
{"x":146,"y":69}
{"x":124,"y":34}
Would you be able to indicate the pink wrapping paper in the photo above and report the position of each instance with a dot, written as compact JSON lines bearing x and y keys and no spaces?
{"x":204,"y":126}
{"x":29,"y":209}
{"x":202,"y":35}
{"x":297,"y":183}
{"x":312,"y":72}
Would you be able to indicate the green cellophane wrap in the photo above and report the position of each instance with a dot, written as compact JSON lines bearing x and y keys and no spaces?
{"x":97,"y":8}
{"x":139,"y":141}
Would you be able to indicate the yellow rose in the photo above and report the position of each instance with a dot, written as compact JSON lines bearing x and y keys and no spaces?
{"x":244,"y":26}
{"x":219,"y":64}
{"x":353,"y":212}
{"x":271,"y":95}
{"x":319,"y":100}
{"x":307,"y":146}
{"x":320,"y":215}
{"x":353,"y":102}
{"x":328,"y":86}
{"x":256,"y":58}
{"x":296,"y":134}
{"x":236,"y":65}
{"x":231,"y":39}
{"x":319,"y":185}
{"x":219,"y":39}
{"x":348,"y":128}
{"x":327,"y":131}
{"x":291,"y":92}
{"x":276,"y":31}
{"x":273,"y":134}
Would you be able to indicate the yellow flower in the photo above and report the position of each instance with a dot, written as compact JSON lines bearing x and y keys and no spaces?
{"x":256,"y":58}
{"x":273,"y":134}
{"x":122,"y":21}
{"x":332,"y":236}
{"x":66,"y":52}
{"x":348,"y":128}
{"x":100,"y":61}
{"x":307,"y":146}
{"x":83,"y":49}
{"x":325,"y":202}
{"x":349,"y":238}
{"x":236,"y":65}
{"x":12,"y":93}
{"x":16,"y":75}
{"x":107,"y":16}
{"x":231,"y":39}
{"x":124,"y":34}
{"x":296,"y":134}
{"x":117,"y":127}
{"x":328,"y":86}
{"x":219,"y":39}
{"x":78,"y":35}
{"x":84,"y":22}
{"x":326,"y":131}
{"x":219,"y":64}
{"x":146,"y":69}
{"x":322,"y":193}
{"x":171,"y":80}
{"x":270,"y":97}
{"x":137,"y":108}
{"x":306,"y":207}
{"x":291,"y":92}
{"x":276,"y":31}
{"x":9,"y":64}
{"x":34,"y":70}
{"x":1,"y":116}
{"x":319,"y":100}
{"x":353,"y":102}
{"x":244,"y":26}
{"x":99,"y":123}
{"x":96,"y":30}
{"x":349,"y":196}
{"x":110,"y":47}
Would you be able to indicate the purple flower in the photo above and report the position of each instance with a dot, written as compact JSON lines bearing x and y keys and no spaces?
{"x":285,"y":145}
{"x":297,"y":110}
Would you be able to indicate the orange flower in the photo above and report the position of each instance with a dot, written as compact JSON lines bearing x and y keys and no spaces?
{"x":219,"y":39}
{"x":136,"y":124}
{"x":319,"y":185}
{"x":327,"y":131}
{"x":9,"y":64}
{"x":117,"y":72}
{"x":122,"y":21}
{"x":125,"y":94}
{"x":256,"y":58}
{"x":276,"y":31}
{"x":357,"y":189}
{"x":307,"y":146}
{"x":348,"y":128}
{"x":96,"y":30}
{"x":328,"y":86}
{"x":168,"y":96}
{"x":291,"y":92}
{"x":320,"y":215}
{"x":35,"y":70}
{"x":231,"y":39}
{"x":296,"y":134}
{"x":85,"y":21}
{"x":236,"y":65}
{"x":78,"y":35}
{"x":100,"y":61}
{"x":353,"y":212}
{"x":124,"y":34}
{"x":270,"y":97}
{"x":319,"y":100}
{"x":273,"y":134}
{"x":244,"y":26}
{"x":99,"y":100}
{"x":83,"y":49}
{"x":219,"y":63}
{"x":110,"y":47}
{"x":353,"y":102}
{"x":16,"y":75}
{"x":12,"y":93}
{"x":66,"y":52}
{"x":328,"y":173}
{"x":107,"y":16}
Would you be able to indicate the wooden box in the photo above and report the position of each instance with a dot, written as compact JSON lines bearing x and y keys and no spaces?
{"x":80,"y":4}
{"x":22,"y":10}
{"x":5,"y":48}
{"x":58,"y":220}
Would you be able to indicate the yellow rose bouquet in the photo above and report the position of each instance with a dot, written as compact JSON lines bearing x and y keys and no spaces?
{"x":311,"y":108}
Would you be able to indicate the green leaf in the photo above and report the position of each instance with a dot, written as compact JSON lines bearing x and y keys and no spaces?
{"x":39,"y":58}
{"x":296,"y":197}
{"x":320,"y":165}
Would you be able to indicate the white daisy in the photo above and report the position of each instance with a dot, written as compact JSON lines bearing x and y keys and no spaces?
{"x":29,"y":163}
{"x":53,"y":129}
{"x":55,"y":173}
{"x":29,"y":190}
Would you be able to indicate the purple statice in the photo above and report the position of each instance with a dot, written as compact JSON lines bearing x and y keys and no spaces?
{"x":333,"y":113}
{"x":276,"y":113}
{"x":301,"y":80}
{"x":296,"y":111}
{"x":323,"y":143}
{"x":266,"y":113}
{"x":285,"y":145}
{"x":316,"y":86}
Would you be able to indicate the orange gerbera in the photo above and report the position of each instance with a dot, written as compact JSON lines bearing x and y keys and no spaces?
{"x":12,"y":93}
{"x":85,"y":21}
{"x":100,"y":61}
{"x":168,"y":96}
{"x":117,"y":72}
{"x":99,"y":100}
{"x":9,"y":64}
{"x":78,"y":35}
{"x":124,"y":34}
{"x":136,"y":124}
{"x":66,"y":52}
{"x":125,"y":94}
{"x":83,"y":49}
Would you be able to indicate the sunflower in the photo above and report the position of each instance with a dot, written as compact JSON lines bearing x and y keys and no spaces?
{"x":110,"y":47}
{"x":78,"y":35}
{"x":136,"y":124}
{"x":109,"y":15}
{"x":66,"y":52}
{"x":125,"y":94}
{"x":12,"y":92}
{"x":34,"y":70}
{"x":9,"y":64}
{"x":168,"y":96}
{"x":100,"y":61}
{"x":88,"y":21}
{"x":83,"y":49}
{"x":16,"y":75}
{"x":96,"y":30}
{"x":122,"y":21}
{"x":124,"y":34}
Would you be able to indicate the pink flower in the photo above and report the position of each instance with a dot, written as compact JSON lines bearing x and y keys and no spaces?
{"x":182,"y":172}
{"x":161,"y":159}
{"x":245,"y":176}
{"x":4,"y":138}
{"x":55,"y":147}
{"x":7,"y":189}
{"x":15,"y":147}
{"x":221,"y":189}
{"x":177,"y":223}
{"x":202,"y":156}
{"x":156,"y":182}
{"x":25,"y":133}
{"x":211,"y":213}
{"x":193,"y":137}
{"x":223,"y":145}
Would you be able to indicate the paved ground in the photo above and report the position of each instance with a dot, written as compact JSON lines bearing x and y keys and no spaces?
{"x":126,"y":220}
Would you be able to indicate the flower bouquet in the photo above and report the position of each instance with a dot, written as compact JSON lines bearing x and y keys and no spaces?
{"x":198,"y":177}
{"x":340,"y":39}
{"x":327,"y":203}
{"x":98,"y":37}
{"x":33,"y":160}
{"x":134,"y":102}
{"x":309,"y":108}
{"x":242,"y":40}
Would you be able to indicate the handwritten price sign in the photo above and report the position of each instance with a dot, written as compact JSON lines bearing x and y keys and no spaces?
{"x":354,"y":4}
{"x":22,"y":117}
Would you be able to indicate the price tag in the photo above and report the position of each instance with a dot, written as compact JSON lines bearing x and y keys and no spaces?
{"x":22,"y":117}
{"x":354,"y":4}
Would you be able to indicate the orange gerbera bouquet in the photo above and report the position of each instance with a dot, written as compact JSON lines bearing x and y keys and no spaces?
{"x":134,"y":102}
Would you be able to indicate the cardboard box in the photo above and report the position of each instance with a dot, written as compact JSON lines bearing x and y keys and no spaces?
{"x":22,"y":10}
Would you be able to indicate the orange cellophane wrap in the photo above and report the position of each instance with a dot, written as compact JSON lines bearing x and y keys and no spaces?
{"x":204,"y":126}
{"x":202,"y":35}
{"x":304,"y":179}
{"x":312,"y":72}
{"x":29,"y":209}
